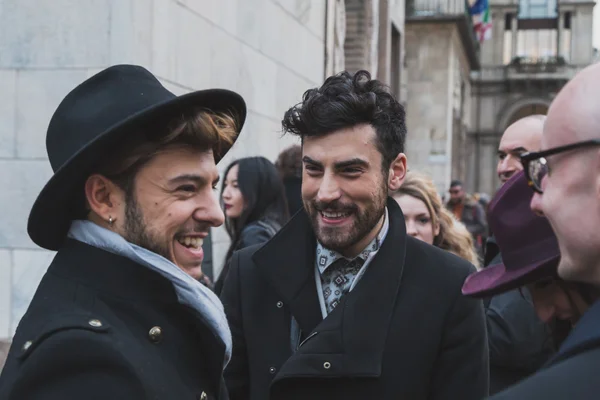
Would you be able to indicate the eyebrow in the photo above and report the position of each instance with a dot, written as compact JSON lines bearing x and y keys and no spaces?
{"x":339,"y":164}
{"x":519,"y":149}
{"x":199,"y":180}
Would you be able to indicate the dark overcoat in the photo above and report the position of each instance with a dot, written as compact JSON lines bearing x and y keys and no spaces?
{"x":101,"y":326}
{"x":404,"y":332}
{"x":572,"y":374}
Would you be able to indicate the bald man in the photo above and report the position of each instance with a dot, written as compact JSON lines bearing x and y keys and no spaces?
{"x":521,"y":137}
{"x":569,"y":197}
{"x":518,"y":341}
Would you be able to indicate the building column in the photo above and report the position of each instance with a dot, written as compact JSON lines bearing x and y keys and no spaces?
{"x":559,"y":35}
{"x":514,"y":32}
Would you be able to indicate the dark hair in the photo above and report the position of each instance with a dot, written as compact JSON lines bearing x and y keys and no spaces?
{"x":455,"y":183}
{"x":263,"y":194}
{"x":289,"y":162}
{"x":346,"y":100}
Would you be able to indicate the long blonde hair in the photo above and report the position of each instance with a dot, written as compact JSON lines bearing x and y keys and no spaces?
{"x":453,"y":236}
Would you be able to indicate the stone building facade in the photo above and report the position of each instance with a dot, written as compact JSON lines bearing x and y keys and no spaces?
{"x":270,"y":51}
{"x":441,"y":53}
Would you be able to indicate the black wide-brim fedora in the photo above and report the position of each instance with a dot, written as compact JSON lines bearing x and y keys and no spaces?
{"x":96,"y":116}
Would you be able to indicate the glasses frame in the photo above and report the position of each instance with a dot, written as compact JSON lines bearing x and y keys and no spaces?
{"x":527,"y":158}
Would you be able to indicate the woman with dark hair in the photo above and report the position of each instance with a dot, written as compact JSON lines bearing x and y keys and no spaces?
{"x":253,"y":199}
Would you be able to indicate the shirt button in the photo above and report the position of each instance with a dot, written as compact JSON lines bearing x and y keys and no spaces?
{"x":326,"y":365}
{"x":279,"y":304}
{"x":272,"y":370}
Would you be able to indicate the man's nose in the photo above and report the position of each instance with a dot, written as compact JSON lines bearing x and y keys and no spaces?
{"x":536,"y":204}
{"x":329,"y":190}
{"x":210,"y":212}
{"x":504,"y":165}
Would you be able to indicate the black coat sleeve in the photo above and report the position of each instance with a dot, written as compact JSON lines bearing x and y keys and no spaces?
{"x":75,"y":364}
{"x":462,"y":368}
{"x":237,"y":374}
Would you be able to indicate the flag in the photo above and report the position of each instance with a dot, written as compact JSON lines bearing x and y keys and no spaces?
{"x":482,"y":20}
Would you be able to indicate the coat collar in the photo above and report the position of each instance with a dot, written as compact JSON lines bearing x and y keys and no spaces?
{"x":584,"y":335}
{"x":340,"y":339}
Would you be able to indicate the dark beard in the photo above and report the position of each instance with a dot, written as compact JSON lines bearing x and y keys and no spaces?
{"x":136,"y":232}
{"x":340,"y":239}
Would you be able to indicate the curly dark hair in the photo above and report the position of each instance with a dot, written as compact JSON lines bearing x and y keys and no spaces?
{"x":346,"y":100}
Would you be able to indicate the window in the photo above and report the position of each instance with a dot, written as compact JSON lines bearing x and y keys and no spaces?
{"x":538,"y":9}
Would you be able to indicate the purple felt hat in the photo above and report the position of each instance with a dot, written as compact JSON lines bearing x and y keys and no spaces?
{"x":528,"y":244}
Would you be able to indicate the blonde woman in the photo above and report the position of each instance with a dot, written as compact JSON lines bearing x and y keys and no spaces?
{"x":428,"y":220}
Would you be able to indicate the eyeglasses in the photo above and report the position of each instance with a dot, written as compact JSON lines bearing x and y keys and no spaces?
{"x":536,"y":165}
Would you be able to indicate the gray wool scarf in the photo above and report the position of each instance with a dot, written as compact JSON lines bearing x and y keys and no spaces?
{"x":189,"y":291}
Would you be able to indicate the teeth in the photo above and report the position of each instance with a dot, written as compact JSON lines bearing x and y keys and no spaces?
{"x":189,"y":241}
{"x":333,"y":214}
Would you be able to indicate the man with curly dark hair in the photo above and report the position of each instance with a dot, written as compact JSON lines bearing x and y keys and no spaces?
{"x":342,"y":303}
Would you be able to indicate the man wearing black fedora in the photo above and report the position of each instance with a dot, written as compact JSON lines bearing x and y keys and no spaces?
{"x":120,"y":313}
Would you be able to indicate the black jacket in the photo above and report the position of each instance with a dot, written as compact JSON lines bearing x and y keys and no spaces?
{"x":102,"y":327}
{"x":404,"y":332}
{"x":572,"y":374}
{"x":519,"y":342}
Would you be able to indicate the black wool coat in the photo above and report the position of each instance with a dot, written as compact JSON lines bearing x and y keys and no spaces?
{"x":572,"y":374}
{"x":404,"y":332}
{"x":101,"y":326}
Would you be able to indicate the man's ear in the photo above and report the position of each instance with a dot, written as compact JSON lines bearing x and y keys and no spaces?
{"x":104,"y":198}
{"x":397,"y":172}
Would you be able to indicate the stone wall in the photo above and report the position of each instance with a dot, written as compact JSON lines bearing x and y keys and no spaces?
{"x":439,"y":100}
{"x":270,"y":51}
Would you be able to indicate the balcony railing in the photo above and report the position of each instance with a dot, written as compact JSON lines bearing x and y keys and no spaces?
{"x":532,"y":65}
{"x":447,"y":11}
{"x":524,"y":68}
{"x":434,"y":8}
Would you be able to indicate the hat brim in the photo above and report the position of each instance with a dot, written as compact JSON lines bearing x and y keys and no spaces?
{"x":49,"y":219}
{"x":496,"y":279}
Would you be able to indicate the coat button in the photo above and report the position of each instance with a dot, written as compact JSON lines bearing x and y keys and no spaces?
{"x":203,"y":396}
{"x":326,"y":365}
{"x":96,"y":323}
{"x":272,"y":370}
{"x":27,"y":345}
{"x":279,"y":304}
{"x":155,"y":334}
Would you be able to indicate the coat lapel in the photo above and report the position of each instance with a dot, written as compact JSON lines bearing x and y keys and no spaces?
{"x":287,"y":262}
{"x":350,"y":342}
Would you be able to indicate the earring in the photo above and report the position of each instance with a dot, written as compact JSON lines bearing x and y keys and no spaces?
{"x":110,"y":220}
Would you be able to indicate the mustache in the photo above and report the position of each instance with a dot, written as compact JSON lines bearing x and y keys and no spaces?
{"x":333,"y":206}
{"x":199,"y":228}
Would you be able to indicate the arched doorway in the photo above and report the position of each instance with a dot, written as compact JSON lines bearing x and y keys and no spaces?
{"x":532,"y":109}
{"x":523,"y":107}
